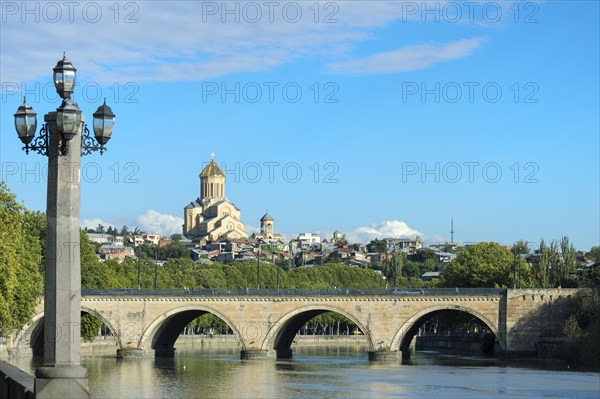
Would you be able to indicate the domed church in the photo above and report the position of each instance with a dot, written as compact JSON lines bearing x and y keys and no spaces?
{"x":212,"y":216}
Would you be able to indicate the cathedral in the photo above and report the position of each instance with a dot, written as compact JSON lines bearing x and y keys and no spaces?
{"x":212,"y":216}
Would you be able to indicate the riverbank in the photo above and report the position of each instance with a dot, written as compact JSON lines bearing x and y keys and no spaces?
{"x":103,"y":346}
{"x":300,"y":340}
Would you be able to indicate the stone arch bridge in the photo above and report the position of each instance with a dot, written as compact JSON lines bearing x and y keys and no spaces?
{"x":145,"y":323}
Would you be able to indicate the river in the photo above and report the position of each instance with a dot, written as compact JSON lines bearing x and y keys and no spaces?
{"x":327,"y":372}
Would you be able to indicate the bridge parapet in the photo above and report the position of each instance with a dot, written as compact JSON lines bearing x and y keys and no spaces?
{"x":300,"y":292}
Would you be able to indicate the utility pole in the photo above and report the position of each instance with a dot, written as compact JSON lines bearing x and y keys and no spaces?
{"x":155,"y":267}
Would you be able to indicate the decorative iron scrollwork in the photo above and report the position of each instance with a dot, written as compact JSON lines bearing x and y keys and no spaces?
{"x":89,"y":144}
{"x":40,"y":142}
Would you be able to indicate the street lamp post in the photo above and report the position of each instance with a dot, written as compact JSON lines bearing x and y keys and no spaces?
{"x":155,"y":268}
{"x":258,"y":267}
{"x":139,"y":272}
{"x":63,"y":138}
{"x":277,"y":266}
{"x":514,"y":268}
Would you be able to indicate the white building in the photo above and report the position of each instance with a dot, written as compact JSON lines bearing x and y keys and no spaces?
{"x":308,"y":239}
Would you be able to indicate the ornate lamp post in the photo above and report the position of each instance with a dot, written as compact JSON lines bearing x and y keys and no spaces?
{"x":63,"y":138}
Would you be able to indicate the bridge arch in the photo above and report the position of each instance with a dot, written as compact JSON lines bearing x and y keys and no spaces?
{"x":32,"y":335}
{"x":409,"y":329}
{"x":281,"y":334}
{"x":162,"y":333}
{"x":29,"y":334}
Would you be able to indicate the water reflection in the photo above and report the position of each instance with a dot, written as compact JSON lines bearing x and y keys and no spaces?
{"x":325,"y":372}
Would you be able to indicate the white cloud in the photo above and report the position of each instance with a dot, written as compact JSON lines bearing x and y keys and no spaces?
{"x":154,"y":222}
{"x":434,"y":239}
{"x":150,"y":221}
{"x":180,"y":40}
{"x":175,"y":40}
{"x":251,"y":229}
{"x":386,"y":229}
{"x":408,"y":58}
{"x":92,"y":223}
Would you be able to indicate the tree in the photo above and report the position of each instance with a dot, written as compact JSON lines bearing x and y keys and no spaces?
{"x":94,"y":273}
{"x":520,"y":248}
{"x":595,"y":254}
{"x":342,"y":242}
{"x":423,"y":255}
{"x":100,"y":228}
{"x":398,"y":260}
{"x":485,"y":264}
{"x":112,"y":231}
{"x":544,"y":265}
{"x":90,"y":325}
{"x":568,"y":263}
{"x":176,"y":249}
{"x":20,"y":256}
{"x":124,"y":231}
{"x":378,"y":246}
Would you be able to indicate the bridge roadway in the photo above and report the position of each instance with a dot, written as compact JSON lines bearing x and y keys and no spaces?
{"x":148,"y":322}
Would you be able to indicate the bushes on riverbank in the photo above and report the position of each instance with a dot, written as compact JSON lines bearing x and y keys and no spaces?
{"x":582,"y":331}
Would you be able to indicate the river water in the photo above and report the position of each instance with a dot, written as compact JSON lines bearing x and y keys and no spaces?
{"x":327,"y":372}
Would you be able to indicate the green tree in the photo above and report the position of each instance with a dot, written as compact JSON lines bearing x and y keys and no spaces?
{"x":36,"y":224}
{"x":397,"y":263}
{"x":521,"y":247}
{"x":93,"y":273}
{"x":124,"y":231}
{"x":176,"y":249}
{"x":485,"y":264}
{"x":543,"y":271}
{"x":90,"y":325}
{"x":595,"y":254}
{"x":423,"y":255}
{"x":568,"y":263}
{"x":379,"y":246}
{"x":208,"y":322}
{"x":20,"y":259}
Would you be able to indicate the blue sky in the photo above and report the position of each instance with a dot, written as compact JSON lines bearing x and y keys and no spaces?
{"x":375,"y":118}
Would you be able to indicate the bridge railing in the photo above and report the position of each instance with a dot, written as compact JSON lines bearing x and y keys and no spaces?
{"x":396,"y":292}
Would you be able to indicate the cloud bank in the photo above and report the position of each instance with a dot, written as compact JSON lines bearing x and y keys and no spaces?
{"x":150,"y":221}
{"x":385,"y":229}
{"x":407,"y":59}
{"x":185,"y":40}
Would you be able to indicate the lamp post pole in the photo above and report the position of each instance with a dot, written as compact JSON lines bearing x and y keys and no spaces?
{"x":155,"y":268}
{"x":514,"y":267}
{"x":139,"y":279}
{"x":64,"y":138}
{"x":258,"y":267}
{"x":278,"y":278}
